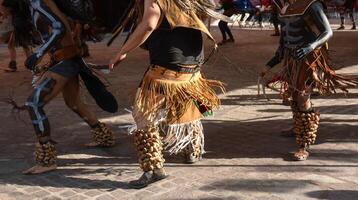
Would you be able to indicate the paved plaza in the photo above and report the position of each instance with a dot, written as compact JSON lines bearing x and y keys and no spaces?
{"x":246,"y":157}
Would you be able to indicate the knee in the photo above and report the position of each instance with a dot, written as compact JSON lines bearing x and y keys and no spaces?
{"x":75,"y":105}
{"x":71,"y":104}
{"x":35,"y":106}
{"x":36,"y":101}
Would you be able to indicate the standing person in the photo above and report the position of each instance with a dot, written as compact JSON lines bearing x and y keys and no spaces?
{"x":258,"y":9}
{"x":6,"y":30}
{"x":16,"y":32}
{"x":173,"y":95}
{"x":348,"y":7}
{"x":274,"y":19}
{"x":62,"y":76}
{"x":229,"y":9}
{"x":303,"y":51}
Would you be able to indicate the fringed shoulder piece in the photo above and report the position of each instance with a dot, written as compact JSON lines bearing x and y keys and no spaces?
{"x":179,"y":13}
{"x":183,"y":13}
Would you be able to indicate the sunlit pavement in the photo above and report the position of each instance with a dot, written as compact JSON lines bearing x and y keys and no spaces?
{"x":246,"y":156}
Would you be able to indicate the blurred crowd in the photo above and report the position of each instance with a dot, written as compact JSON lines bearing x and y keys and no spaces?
{"x":248,"y":13}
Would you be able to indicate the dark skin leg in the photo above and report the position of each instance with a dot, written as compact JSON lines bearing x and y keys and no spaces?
{"x":71,"y":95}
{"x":303,"y":102}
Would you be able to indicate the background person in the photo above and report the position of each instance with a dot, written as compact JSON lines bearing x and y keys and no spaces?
{"x":229,"y":9}
{"x":11,"y":34}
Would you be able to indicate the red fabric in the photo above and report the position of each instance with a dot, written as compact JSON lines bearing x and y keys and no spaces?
{"x":266,"y":3}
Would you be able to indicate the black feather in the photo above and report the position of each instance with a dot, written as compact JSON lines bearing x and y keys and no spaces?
{"x":104,"y":99}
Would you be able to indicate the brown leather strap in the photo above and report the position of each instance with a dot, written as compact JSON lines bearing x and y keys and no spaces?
{"x":66,"y":53}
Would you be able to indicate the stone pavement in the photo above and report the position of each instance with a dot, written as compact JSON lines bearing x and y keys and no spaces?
{"x":246,"y":156}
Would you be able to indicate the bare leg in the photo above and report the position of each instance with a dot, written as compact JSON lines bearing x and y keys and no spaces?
{"x":11,"y":47}
{"x":306,"y":119}
{"x":71,"y":95}
{"x":102,"y":136}
{"x":12,"y":52}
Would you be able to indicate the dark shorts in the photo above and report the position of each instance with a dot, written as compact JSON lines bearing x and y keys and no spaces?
{"x":67,"y":68}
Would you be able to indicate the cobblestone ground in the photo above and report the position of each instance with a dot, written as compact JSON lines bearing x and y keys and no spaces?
{"x":246,"y":156}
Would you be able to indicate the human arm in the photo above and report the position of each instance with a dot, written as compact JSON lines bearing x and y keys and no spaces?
{"x":148,"y":24}
{"x":57,"y":32}
{"x":321,"y":22}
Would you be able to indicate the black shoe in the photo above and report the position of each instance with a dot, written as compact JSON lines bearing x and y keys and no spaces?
{"x":354,"y":27}
{"x":12,"y":67}
{"x":342,"y":27}
{"x":231,"y":40}
{"x":148,"y":178}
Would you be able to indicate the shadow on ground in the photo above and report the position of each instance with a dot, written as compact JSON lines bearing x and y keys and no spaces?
{"x":269,"y":186}
{"x":232,"y":139}
{"x":334,"y":194}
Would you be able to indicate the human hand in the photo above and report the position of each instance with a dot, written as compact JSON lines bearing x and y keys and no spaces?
{"x":303,"y":52}
{"x":115,"y":61}
{"x":32,"y":61}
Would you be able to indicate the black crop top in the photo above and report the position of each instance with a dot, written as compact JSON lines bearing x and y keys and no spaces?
{"x":172,"y":47}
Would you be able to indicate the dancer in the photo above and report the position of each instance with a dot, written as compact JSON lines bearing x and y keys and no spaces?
{"x":274,"y":20}
{"x":348,"y":7}
{"x":303,"y":51}
{"x":173,"y":95}
{"x":62,"y":76}
{"x":17,"y":33}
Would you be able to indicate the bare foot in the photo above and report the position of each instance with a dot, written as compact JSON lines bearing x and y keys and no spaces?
{"x":37,"y":169}
{"x":301,"y":155}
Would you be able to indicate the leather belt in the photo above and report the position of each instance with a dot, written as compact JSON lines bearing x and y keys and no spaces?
{"x":182,"y":69}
